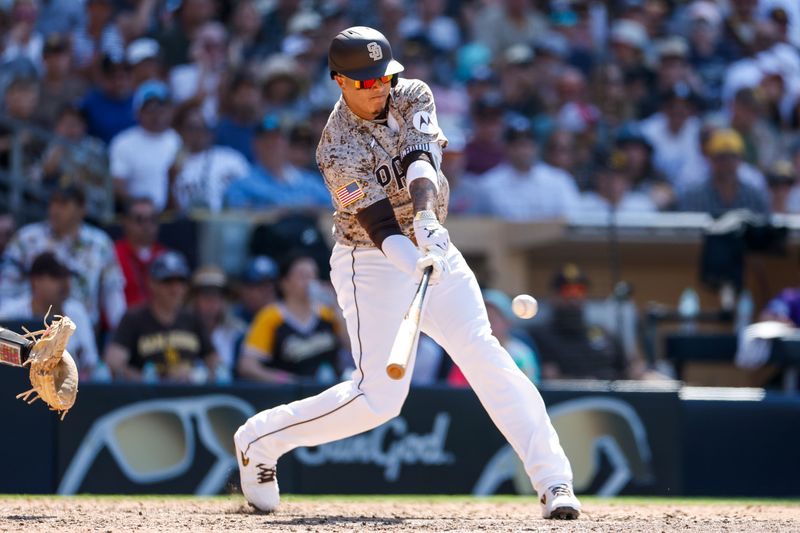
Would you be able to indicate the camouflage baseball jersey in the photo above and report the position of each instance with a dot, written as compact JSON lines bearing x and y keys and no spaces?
{"x":360,"y":159}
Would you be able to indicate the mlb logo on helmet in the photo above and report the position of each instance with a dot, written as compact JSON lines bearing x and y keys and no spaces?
{"x":375,"y":51}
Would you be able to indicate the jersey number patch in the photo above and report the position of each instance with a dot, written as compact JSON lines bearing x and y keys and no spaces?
{"x":385,"y":174}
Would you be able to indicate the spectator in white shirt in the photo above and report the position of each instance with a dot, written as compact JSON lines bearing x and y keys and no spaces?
{"x":140,"y":156}
{"x":201,"y":172}
{"x":49,"y":296}
{"x":523,"y":189}
{"x":674,"y":132}
{"x":199,"y":81}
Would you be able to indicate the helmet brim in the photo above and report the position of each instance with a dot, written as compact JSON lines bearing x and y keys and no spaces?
{"x":376,"y":71}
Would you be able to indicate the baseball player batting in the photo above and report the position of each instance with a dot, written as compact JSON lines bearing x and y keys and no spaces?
{"x":380,"y":155}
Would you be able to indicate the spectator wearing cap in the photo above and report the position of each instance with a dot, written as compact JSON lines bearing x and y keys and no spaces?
{"x":516,"y":342}
{"x":49,"y":282}
{"x":108,"y":106}
{"x":208,"y":298}
{"x":163,"y":333}
{"x":198,"y":81}
{"x":612,"y":189}
{"x":239,"y":115}
{"x":674,"y":131}
{"x":522,"y":188}
{"x":256,"y":287}
{"x":297,"y":337}
{"x":201,"y":172}
{"x":629,"y":44}
{"x":485,"y":146}
{"x":59,"y":83}
{"x":144,"y":57}
{"x":707,"y":55}
{"x":273,"y":180}
{"x":87,"y":251}
{"x":723,"y":190}
{"x":174,"y":39}
{"x":502,"y":24}
{"x":23,"y":40}
{"x":519,"y":81}
{"x":97,"y":36}
{"x":135,"y":175}
{"x":138,"y":247}
{"x":73,"y":152}
{"x":284,"y":88}
{"x":672,"y":67}
{"x":781,"y":180}
{"x":569,"y":347}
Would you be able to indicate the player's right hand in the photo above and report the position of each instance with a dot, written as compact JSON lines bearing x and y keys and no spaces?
{"x":435,"y":257}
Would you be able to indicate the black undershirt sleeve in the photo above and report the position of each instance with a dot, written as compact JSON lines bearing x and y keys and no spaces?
{"x":416,"y":155}
{"x":379,"y":221}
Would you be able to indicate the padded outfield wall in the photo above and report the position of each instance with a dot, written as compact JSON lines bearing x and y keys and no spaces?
{"x":622,"y":438}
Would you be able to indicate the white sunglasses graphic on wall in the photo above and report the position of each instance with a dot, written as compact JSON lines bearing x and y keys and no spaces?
{"x":153,"y":441}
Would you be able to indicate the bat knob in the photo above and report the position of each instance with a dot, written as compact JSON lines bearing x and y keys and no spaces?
{"x":395,"y":371}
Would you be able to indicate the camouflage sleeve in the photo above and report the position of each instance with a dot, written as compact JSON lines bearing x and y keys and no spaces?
{"x":422,"y":131}
{"x":348,"y":171}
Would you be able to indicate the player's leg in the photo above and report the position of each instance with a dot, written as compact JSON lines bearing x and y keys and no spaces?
{"x":456,"y":318}
{"x":373,"y":295}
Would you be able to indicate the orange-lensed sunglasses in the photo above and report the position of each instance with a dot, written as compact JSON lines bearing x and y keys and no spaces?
{"x":369,"y":84}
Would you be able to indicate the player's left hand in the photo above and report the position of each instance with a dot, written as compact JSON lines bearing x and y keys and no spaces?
{"x":430,"y":233}
{"x":434,"y":258}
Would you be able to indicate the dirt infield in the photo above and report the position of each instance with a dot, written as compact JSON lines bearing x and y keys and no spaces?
{"x":103,"y":514}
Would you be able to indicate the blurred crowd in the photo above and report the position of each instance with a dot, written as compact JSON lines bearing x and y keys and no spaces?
{"x":552,"y":108}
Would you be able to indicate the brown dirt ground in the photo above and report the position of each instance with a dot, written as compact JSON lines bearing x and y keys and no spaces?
{"x":65,"y":515}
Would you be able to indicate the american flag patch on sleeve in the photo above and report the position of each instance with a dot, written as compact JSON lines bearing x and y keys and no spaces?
{"x":349,"y":193}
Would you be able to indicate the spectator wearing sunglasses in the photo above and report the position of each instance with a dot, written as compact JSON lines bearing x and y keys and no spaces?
{"x":138,"y":247}
{"x":163,"y":333}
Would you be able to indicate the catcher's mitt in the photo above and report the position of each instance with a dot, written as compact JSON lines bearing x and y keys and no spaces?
{"x":54,"y":375}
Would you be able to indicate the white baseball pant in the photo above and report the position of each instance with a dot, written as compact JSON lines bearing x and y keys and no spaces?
{"x":374,"y":296}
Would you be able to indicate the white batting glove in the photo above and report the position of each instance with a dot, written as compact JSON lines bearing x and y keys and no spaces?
{"x":430,"y":234}
{"x":435,"y":258}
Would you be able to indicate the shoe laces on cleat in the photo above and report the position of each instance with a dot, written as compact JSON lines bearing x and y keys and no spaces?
{"x":266,"y":474}
{"x":560,"y":490}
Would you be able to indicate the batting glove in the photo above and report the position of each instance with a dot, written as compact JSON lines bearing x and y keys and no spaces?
{"x":430,"y":233}
{"x":435,"y":258}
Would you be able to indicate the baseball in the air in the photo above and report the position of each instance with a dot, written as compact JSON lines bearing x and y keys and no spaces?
{"x":525,"y":306}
